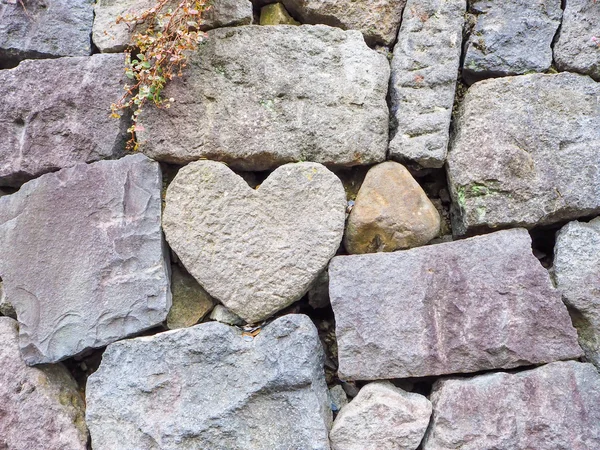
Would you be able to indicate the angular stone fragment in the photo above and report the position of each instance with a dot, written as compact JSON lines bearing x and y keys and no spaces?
{"x":464,"y":306}
{"x":424,"y":70}
{"x":190,"y":302}
{"x":257,"y":251}
{"x":338,"y":397}
{"x":526,"y":152}
{"x":258,"y":97}
{"x":577,"y":275}
{"x":556,"y":406}
{"x":223,"y":315}
{"x":110,"y":36}
{"x":44,"y":29}
{"x":578,"y":46}
{"x":276,"y":14}
{"x":510,"y":38}
{"x":82,"y":257}
{"x":56,"y":113}
{"x":210,"y":387}
{"x":391,"y":212}
{"x":6,"y":309}
{"x":39,"y":407}
{"x":382,"y":416}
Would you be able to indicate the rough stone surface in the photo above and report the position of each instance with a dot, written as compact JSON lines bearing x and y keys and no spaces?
{"x":258,"y":97}
{"x":82,"y":258}
{"x":578,"y":46}
{"x":257,"y":251}
{"x":381,"y":417}
{"x":190,"y":301}
{"x":577,"y":275}
{"x":424,"y":71}
{"x":48,"y":29}
{"x":6,"y":309}
{"x":276,"y":14}
{"x":210,"y":387}
{"x":465,"y":306}
{"x":391,"y":212}
{"x":377,"y":20}
{"x":223,"y":315}
{"x":109,"y":36}
{"x":338,"y":397}
{"x":56,"y":113}
{"x":556,"y":406}
{"x":526,"y":152}
{"x":39,"y":407}
{"x":510,"y":38}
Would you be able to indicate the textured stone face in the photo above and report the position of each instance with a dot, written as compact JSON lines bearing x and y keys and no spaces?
{"x":39,"y":407}
{"x":257,"y":251}
{"x":109,"y":36}
{"x":82,"y":258}
{"x":209,"y":387}
{"x":556,"y":406}
{"x":476,"y":304}
{"x":510,"y":38}
{"x":578,"y":45}
{"x":382,"y":416}
{"x":577,"y":275}
{"x":424,"y":70}
{"x":276,"y":14}
{"x":258,"y":97}
{"x":48,"y":29}
{"x":391,"y":212}
{"x":49,"y":123}
{"x":190,"y":302}
{"x":526,"y":152}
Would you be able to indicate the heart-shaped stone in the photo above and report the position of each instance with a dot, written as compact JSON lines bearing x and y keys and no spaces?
{"x":256,"y":250}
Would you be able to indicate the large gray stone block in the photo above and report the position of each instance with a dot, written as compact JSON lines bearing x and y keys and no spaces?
{"x":258,"y":97}
{"x":211,"y":387}
{"x":553,"y":407}
{"x":424,"y":71}
{"x":464,"y":306}
{"x":82,"y":257}
{"x":56,"y":113}
{"x":526,"y":152}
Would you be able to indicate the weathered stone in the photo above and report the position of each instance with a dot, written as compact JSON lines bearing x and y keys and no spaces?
{"x":276,"y":14}
{"x":318,"y":294}
{"x":578,"y":45}
{"x":257,"y":251}
{"x":223,"y":315}
{"x":382,"y":416}
{"x":6,"y":309}
{"x":577,"y":275}
{"x":211,"y":387}
{"x":39,"y":407}
{"x":44,"y":29}
{"x":391,"y":212}
{"x":464,"y":306}
{"x":109,"y":36}
{"x":556,"y":406}
{"x":424,"y":71}
{"x":377,"y":20}
{"x":338,"y":397}
{"x":190,"y":301}
{"x":258,"y":97}
{"x":82,"y":258}
{"x":56,"y":113}
{"x":510,"y":38}
{"x":526,"y":152}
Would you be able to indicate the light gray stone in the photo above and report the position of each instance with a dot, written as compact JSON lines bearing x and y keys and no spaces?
{"x":424,"y":71}
{"x":510,"y":38}
{"x":190,"y":301}
{"x":381,"y":417}
{"x":44,"y":29}
{"x":578,"y":46}
{"x":464,"y":306}
{"x":6,"y":309}
{"x":577,"y":275}
{"x":211,"y":387}
{"x":553,"y":407}
{"x":223,"y":315}
{"x":526,"y":152}
{"x":82,"y":257}
{"x":40,"y":408}
{"x":109,"y":36}
{"x":258,"y":97}
{"x":56,"y":113}
{"x":377,"y":20}
{"x":256,"y":251}
{"x":338,"y":397}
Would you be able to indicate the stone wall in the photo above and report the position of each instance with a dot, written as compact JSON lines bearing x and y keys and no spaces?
{"x":361,"y":225}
